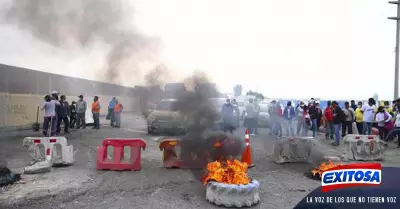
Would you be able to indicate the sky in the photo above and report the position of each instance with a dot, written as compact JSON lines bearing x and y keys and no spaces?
{"x":285,"y":49}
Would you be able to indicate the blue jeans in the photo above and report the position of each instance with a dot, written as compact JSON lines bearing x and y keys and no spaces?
{"x":53,"y":126}
{"x":329,"y":129}
{"x":367,"y":128}
{"x":337,"y":127}
{"x":289,"y":125}
{"x":96,"y":119}
{"x":278,"y":127}
{"x":314,"y":127}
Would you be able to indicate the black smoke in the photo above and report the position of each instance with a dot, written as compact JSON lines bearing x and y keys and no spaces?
{"x":83,"y":23}
{"x":152,"y":91}
{"x":198,"y":146}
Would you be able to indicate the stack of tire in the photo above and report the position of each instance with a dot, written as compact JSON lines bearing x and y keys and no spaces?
{"x":233,"y":195}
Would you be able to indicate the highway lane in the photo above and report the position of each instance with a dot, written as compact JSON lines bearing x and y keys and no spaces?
{"x":82,"y":186}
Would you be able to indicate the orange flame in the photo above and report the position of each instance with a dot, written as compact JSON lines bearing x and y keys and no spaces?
{"x":229,"y":172}
{"x":324,"y":166}
{"x":217,"y":144}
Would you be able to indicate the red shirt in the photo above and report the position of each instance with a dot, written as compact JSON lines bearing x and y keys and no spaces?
{"x":328,"y":114}
{"x":279,"y":111}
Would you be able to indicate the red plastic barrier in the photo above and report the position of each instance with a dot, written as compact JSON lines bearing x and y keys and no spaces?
{"x":170,"y":154}
{"x":375,"y":131}
{"x":118,"y":163}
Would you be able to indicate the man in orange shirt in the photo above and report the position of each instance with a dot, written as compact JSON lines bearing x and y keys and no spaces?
{"x":96,"y":112}
{"x":117,"y":114}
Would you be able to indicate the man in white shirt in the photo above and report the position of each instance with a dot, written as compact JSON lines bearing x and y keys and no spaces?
{"x":368,"y":111}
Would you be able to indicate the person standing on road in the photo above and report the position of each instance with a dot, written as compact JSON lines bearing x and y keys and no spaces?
{"x":319,"y":116}
{"x":236,"y":108}
{"x":72,"y":114}
{"x":62,"y":115}
{"x":353,"y":105}
{"x":347,"y":125}
{"x":96,"y":112}
{"x":279,"y":117}
{"x":117,"y":114}
{"x":227,"y":116}
{"x":306,"y":121}
{"x":314,"y":117}
{"x":359,"y":118}
{"x":49,"y":108}
{"x":81,"y":113}
{"x":272,"y":116}
{"x":328,"y":117}
{"x":251,"y":115}
{"x":54,"y":96}
{"x":289,"y":116}
{"x":368,"y":111}
{"x":110,"y":114}
{"x":388,"y":108}
{"x":383,"y":119}
{"x":338,"y":118}
{"x":300,"y":119}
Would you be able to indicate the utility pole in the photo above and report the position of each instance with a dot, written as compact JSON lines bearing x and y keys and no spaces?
{"x":396,"y":66}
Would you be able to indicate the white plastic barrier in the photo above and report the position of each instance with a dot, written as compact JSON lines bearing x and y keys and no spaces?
{"x":51,"y":149}
{"x":364,"y":147}
{"x":293,"y":150}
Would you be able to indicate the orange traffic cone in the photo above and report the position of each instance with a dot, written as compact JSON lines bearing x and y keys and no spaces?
{"x":246,"y":156}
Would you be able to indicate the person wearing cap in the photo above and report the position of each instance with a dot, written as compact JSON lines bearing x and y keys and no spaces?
{"x":96,"y":112}
{"x":80,"y":112}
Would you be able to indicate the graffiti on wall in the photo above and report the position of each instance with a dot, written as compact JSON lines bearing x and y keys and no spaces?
{"x":16,"y":113}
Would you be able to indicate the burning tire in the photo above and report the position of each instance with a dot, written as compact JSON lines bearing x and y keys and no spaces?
{"x":233,"y":195}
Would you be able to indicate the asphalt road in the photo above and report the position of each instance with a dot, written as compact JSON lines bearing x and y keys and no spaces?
{"x":153,"y":187}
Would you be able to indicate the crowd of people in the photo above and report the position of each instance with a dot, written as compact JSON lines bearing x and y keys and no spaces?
{"x":336,"y":122}
{"x":57,"y":110}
